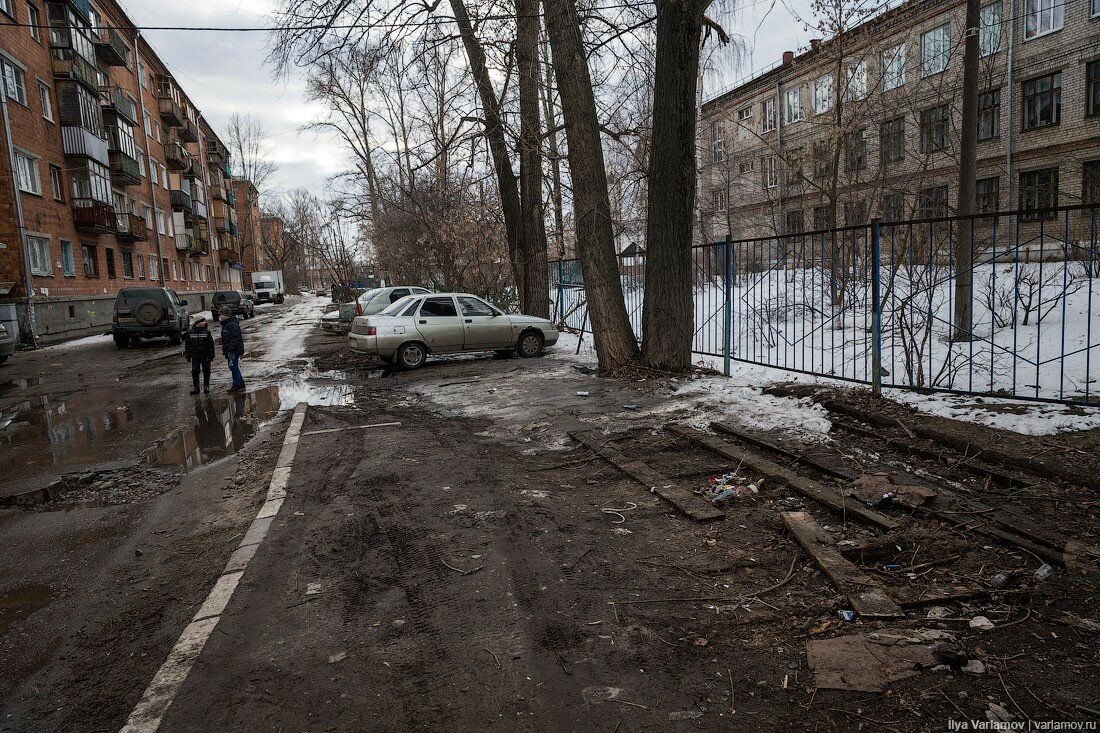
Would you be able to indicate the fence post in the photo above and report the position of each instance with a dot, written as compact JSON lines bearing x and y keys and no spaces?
{"x":561,"y":290}
{"x":876,"y":307}
{"x":727,"y":315}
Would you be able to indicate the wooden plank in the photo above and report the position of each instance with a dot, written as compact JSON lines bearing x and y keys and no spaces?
{"x":866,"y":596}
{"x":685,"y":501}
{"x":784,"y":476}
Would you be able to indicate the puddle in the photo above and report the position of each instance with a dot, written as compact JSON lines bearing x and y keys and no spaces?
{"x":221,"y":427}
{"x":19,"y":603}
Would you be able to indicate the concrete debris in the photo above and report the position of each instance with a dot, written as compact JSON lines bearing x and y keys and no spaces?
{"x":974,"y":666}
{"x":875,"y":489}
{"x":858,"y":663}
{"x":981,"y":623}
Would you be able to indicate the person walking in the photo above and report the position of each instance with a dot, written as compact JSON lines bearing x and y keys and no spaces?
{"x":198,"y":348}
{"x":232,"y":346}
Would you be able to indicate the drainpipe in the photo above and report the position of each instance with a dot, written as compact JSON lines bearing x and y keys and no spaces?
{"x":29,"y":321}
{"x":152,"y":188}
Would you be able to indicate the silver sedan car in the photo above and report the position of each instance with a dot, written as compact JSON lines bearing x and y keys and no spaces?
{"x":447,"y":323}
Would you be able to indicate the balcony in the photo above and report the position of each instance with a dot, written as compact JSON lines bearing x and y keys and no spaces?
{"x":232,"y":229}
{"x":131,"y":228}
{"x":176,"y":156}
{"x":79,"y":142}
{"x":111,"y":49}
{"x":221,"y":223}
{"x":115,"y":102}
{"x":183,"y":241}
{"x":125,"y":171}
{"x":181,"y":201}
{"x":94,"y":216}
{"x":84,"y":6}
{"x":187,"y":131}
{"x":171,"y":112}
{"x":217,"y":154}
{"x":218,"y":192}
{"x":67,"y":64}
{"x":198,"y":208}
{"x":230,"y":197}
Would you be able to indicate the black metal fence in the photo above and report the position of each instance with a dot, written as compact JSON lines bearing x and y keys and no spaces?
{"x":880,"y":303}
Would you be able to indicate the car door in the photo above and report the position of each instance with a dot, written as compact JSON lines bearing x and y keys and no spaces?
{"x":486,"y":327}
{"x":439,"y":324}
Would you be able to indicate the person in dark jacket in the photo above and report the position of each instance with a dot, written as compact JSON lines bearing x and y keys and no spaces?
{"x":198,"y":348}
{"x":232,"y":346}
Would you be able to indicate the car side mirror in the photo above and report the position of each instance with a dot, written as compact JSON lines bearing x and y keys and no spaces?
{"x":183,"y":302}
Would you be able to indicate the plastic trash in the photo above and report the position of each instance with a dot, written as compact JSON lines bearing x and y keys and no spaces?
{"x":581,"y":393}
{"x":891,"y":566}
{"x":847,"y":616}
{"x":1000,"y":580}
{"x":1045,"y":571}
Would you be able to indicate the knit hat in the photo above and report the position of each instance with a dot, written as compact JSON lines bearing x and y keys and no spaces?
{"x":200,"y":320}
{"x":225,"y":311}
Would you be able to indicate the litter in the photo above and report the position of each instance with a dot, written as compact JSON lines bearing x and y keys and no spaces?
{"x":722,"y":489}
{"x":635,"y":407}
{"x":313,"y":589}
{"x":974,"y":666}
{"x":847,"y":616}
{"x":581,"y":393}
{"x":1044,"y":572}
{"x":981,"y":623}
{"x":334,"y":658}
{"x":619,"y":512}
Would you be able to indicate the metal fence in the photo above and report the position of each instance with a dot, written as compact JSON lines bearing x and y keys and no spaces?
{"x":877,"y":303}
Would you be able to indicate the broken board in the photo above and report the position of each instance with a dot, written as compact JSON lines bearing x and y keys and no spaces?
{"x":690,"y":504}
{"x":807,"y":487}
{"x":866,"y":596}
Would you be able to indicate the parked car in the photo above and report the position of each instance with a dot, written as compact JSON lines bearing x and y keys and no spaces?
{"x":417,"y":326}
{"x":330,"y":321}
{"x":142,"y":313}
{"x":7,"y":343}
{"x":238,"y":300}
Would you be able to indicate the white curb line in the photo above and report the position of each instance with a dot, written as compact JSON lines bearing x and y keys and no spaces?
{"x":147,"y":715}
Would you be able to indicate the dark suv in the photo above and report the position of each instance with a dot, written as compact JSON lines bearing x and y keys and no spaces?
{"x":148,"y":313}
{"x":238,"y":301}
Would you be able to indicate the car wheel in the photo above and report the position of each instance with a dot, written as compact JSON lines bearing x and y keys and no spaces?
{"x":121,"y":341}
{"x":411,"y":356}
{"x":175,"y":338}
{"x":530,"y":344}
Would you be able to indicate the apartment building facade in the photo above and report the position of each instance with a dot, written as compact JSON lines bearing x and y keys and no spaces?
{"x":866,"y":124}
{"x":111,"y":175}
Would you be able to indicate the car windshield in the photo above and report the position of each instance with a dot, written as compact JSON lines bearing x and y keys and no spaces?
{"x":227,"y":297}
{"x":264,"y":286}
{"x":367,"y":296}
{"x":394,"y":309}
{"x":129,"y":298}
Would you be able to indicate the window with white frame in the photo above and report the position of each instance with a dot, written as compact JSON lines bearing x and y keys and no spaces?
{"x":792,"y":107}
{"x":44,"y":101}
{"x":823,"y":94}
{"x":153,"y":171}
{"x":34,"y":22}
{"x":15,"y":81}
{"x":718,"y":199}
{"x":162,"y":228}
{"x":989,"y":34}
{"x":164,"y":177}
{"x":141,"y":161}
{"x":768,"y":123}
{"x":857,"y":81}
{"x":935,"y":50}
{"x":148,"y":125}
{"x":893,"y":67}
{"x":745,"y":113}
{"x":717,"y":143}
{"x":153,"y":274}
{"x":770,"y":165}
{"x":39,"y":248}
{"x":26,"y":173}
{"x":1043,"y":16}
{"x":56,"y":183}
{"x":68,"y":264}
{"x":1096,"y":8}
{"x":5,"y":6}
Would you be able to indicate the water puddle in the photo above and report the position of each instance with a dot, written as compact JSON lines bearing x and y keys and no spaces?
{"x":300,"y":389}
{"x":19,"y":603}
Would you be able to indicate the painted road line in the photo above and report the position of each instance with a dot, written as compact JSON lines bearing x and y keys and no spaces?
{"x":149,"y":712}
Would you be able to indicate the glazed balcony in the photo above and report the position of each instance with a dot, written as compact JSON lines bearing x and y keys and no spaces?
{"x":176,"y":156}
{"x":112,"y":49}
{"x":181,"y":201}
{"x":80,"y":142}
{"x":116,"y":103}
{"x":183,"y":241}
{"x":69,"y":65}
{"x":198,"y":208}
{"x":217,"y":154}
{"x":131,"y":228}
{"x":94,"y":216}
{"x":221,"y":223}
{"x":125,"y":170}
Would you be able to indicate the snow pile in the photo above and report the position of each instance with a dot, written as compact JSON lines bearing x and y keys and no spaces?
{"x":1028,"y":418}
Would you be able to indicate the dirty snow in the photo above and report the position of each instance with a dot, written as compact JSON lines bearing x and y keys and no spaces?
{"x":1028,"y":418}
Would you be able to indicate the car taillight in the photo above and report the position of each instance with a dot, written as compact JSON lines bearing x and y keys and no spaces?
{"x":372,"y":330}
{"x":360,"y":329}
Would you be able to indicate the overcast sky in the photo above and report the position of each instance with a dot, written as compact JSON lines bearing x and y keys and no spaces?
{"x":225,"y":72}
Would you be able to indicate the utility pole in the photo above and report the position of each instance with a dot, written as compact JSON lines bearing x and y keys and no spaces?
{"x":968,"y":172}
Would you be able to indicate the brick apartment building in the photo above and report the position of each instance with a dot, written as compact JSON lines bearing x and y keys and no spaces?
{"x":111,"y":175}
{"x":866,"y":124}
{"x":245,"y":211}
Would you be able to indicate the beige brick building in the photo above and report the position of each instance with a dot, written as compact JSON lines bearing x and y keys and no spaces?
{"x":110,"y":175}
{"x":866,"y":124}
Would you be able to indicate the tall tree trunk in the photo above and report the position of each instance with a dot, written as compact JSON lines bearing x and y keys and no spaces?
{"x":968,"y":172}
{"x":494,"y":133}
{"x":616,"y":344}
{"x":668,"y":313}
{"x":555,"y":162}
{"x":536,"y":279}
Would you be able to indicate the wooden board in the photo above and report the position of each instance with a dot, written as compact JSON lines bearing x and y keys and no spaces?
{"x":806,"y":486}
{"x":866,"y":596}
{"x":688,"y":503}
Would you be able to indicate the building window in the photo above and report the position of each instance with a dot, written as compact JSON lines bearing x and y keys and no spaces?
{"x":1038,"y":190}
{"x":934,"y":127}
{"x":933,"y":202}
{"x":152,"y":267}
{"x":987,"y":195}
{"x":856,"y":213}
{"x":15,"y":82}
{"x":989,"y":115}
{"x":26,"y":173}
{"x":745,"y":113}
{"x":795,"y":222}
{"x":718,"y":200}
{"x":1092,"y":87}
{"x":792,"y":109}
{"x":989,"y":38}
{"x":857,"y":81}
{"x":767,"y":124}
{"x":127,"y":264}
{"x":56,"y":184}
{"x":855,"y":150}
{"x":34,"y":22}
{"x":68,"y":265}
{"x":795,"y":167}
{"x":109,"y":258}
{"x":164,"y":266}
{"x":717,"y":144}
{"x":164,"y":177}
{"x":823,"y":161}
{"x":892,"y":140}
{"x":771,"y":171}
{"x":5,"y":6}
{"x":1042,"y":17}
{"x":893,"y":67}
{"x":823,"y":94}
{"x":1090,"y":182}
{"x":824,"y":217}
{"x":91,"y":260}
{"x":153,"y":171}
{"x":1095,"y":8}
{"x":935,"y":50}
{"x":141,"y":266}
{"x":893,"y":206}
{"x":40,"y":255}
{"x":746,"y":166}
{"x":1043,"y":101}
{"x":44,"y":100}
{"x":148,"y":125}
